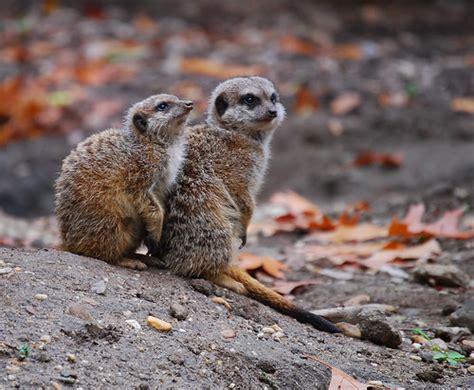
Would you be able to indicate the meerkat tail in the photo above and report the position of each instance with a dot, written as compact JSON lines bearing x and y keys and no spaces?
{"x":261,"y":293}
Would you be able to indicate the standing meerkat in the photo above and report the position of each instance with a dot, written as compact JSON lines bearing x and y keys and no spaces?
{"x":210,"y":205}
{"x":111,"y":189}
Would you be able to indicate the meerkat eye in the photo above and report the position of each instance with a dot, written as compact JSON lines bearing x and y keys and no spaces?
{"x":162,"y":106}
{"x":250,"y":100}
{"x":274,"y":98}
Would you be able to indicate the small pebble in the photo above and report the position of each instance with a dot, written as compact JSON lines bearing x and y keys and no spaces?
{"x":6,"y":270}
{"x":415,"y":358}
{"x":71,"y":358}
{"x":228,"y":333}
{"x":134,"y":324}
{"x":45,"y":338}
{"x":178,"y":311}
{"x":277,"y":328}
{"x":440,"y":343}
{"x":79,"y":311}
{"x":268,"y":330}
{"x":41,"y":297}
{"x":99,"y":287}
{"x":471,"y":369}
{"x":278,"y":335}
{"x":11,"y":377}
{"x":416,"y":346}
{"x":176,"y":359}
{"x":158,"y":324}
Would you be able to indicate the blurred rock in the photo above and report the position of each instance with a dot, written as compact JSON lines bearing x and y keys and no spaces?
{"x":441,"y":275}
{"x":464,"y":316}
{"x":376,"y":328}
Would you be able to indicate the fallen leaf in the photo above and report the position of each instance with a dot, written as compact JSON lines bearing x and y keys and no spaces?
{"x":295,"y":203}
{"x":211,"y":68}
{"x":305,"y":101}
{"x":295,"y":45}
{"x":347,"y":52}
{"x":465,"y":104}
{"x":349,"y":233}
{"x":285,"y":287}
{"x":271,"y":266}
{"x":446,"y":226}
{"x":389,"y":160}
{"x":339,"y":379}
{"x":345,"y":103}
{"x":380,"y":258}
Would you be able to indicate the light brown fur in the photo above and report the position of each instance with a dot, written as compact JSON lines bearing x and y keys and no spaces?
{"x":210,"y":206}
{"x":111,"y":189}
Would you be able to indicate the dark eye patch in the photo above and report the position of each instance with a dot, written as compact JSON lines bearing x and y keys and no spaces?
{"x":162,"y":106}
{"x":274,"y":98}
{"x":250,"y":100}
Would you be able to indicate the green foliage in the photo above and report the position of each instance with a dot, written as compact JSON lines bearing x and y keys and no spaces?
{"x":421,"y":333}
{"x":23,"y":351}
{"x":451,"y":357}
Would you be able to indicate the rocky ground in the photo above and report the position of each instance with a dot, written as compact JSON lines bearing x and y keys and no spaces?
{"x":72,"y":321}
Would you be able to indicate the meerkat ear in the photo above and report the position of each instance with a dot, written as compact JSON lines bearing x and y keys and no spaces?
{"x":221,"y":104}
{"x":140,"y":122}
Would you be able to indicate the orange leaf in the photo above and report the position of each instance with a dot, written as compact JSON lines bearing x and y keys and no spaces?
{"x":446,"y":226}
{"x":298,"y":46}
{"x":391,"y":160}
{"x":217,"y":70}
{"x":347,"y":52}
{"x":284,"y":287}
{"x":295,"y":204}
{"x":339,"y":379}
{"x":306,"y":101}
{"x":345,"y":103}
{"x":463,"y":105}
{"x":347,"y":233}
{"x":271,"y":266}
{"x":425,"y":250}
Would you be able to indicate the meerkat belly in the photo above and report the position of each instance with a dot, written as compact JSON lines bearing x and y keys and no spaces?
{"x":176,"y":154}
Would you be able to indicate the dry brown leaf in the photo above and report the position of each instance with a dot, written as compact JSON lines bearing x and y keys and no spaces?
{"x":346,"y":233}
{"x":380,"y":258}
{"x":285,"y":287}
{"x":306,"y":101}
{"x":295,"y":204}
{"x":339,"y":379}
{"x":271,"y":266}
{"x":217,"y":70}
{"x":465,"y":104}
{"x":446,"y":226}
{"x":345,"y":103}
{"x":347,"y":52}
{"x":390,"y":160}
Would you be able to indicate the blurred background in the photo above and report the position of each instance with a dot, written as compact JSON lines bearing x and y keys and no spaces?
{"x":379,"y":95}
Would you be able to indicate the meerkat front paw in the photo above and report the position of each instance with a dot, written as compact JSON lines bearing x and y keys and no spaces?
{"x":132,"y":264}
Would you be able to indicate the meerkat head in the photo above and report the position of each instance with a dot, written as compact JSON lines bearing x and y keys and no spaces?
{"x":246,"y":104}
{"x":159,"y":117}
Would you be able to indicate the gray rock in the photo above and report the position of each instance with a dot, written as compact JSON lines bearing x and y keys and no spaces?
{"x":176,"y":359}
{"x":464,"y":316}
{"x":99,"y":287}
{"x":202,"y":286}
{"x":441,"y":275}
{"x":79,"y":311}
{"x":430,"y":375}
{"x":448,"y":333}
{"x":376,"y":328}
{"x":426,"y":356}
{"x":178,"y":311}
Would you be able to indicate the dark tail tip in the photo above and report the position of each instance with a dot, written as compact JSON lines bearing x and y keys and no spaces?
{"x":320,"y":323}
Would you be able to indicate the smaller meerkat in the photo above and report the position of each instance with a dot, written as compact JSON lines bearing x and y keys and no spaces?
{"x":210,"y":205}
{"x":110,"y":193}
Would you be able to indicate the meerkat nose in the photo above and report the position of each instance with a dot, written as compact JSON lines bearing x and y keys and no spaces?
{"x":272,"y":113}
{"x":188,"y":104}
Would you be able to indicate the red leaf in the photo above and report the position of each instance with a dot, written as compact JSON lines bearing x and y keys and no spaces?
{"x":390,"y":160}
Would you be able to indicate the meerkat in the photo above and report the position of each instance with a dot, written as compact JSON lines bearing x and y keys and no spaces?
{"x":211,"y":203}
{"x":110,"y":193}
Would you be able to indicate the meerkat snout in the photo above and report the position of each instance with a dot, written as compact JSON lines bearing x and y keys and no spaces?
{"x":159,"y":116}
